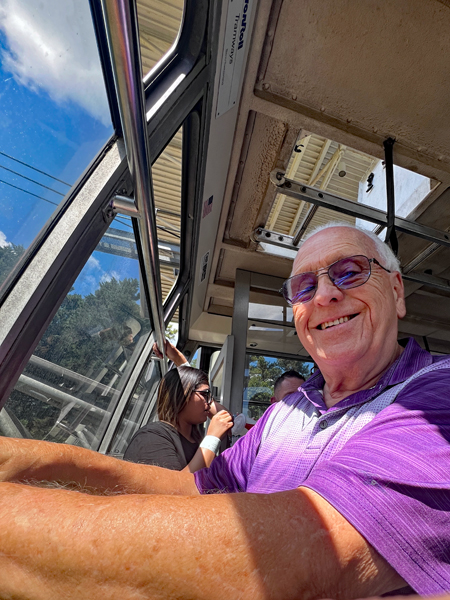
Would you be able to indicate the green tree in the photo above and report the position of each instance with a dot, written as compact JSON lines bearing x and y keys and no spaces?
{"x":92,"y":336}
{"x":172,"y":333}
{"x":288,"y":364}
{"x":9,"y":257}
{"x":264,"y":372}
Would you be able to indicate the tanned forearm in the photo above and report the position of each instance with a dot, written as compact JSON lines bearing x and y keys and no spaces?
{"x":38,"y":462}
{"x":440,"y":597}
{"x":62,"y":544}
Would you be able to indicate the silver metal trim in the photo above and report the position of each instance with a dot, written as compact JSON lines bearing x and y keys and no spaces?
{"x":125,"y":206}
{"x":267,"y":236}
{"x":123,"y":41}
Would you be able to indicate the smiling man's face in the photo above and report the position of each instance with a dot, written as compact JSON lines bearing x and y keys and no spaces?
{"x":369,"y":312}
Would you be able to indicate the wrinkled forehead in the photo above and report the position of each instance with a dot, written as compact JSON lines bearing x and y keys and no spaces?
{"x":329,"y":245}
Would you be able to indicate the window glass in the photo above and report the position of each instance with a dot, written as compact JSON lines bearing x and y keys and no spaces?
{"x":73,"y":380}
{"x":261,"y":372}
{"x":55,"y":114}
{"x":159,"y":23}
{"x":166,"y":173}
{"x":269,"y":312}
{"x":142,"y":405}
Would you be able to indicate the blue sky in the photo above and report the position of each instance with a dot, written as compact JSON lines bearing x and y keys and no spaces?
{"x":55,"y":118}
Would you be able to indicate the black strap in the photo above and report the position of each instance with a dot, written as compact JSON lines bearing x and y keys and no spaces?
{"x":391,"y":235}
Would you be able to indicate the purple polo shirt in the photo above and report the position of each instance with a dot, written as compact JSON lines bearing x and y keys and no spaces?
{"x":381,"y":457}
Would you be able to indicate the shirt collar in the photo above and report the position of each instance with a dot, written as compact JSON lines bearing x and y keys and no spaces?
{"x":409,"y":362}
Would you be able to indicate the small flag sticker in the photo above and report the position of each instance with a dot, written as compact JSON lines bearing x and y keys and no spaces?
{"x":207,"y":206}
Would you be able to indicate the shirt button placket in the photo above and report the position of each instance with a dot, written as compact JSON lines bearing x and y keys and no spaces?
{"x":323,"y":425}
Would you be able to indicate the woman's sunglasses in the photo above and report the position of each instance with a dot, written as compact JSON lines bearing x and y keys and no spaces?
{"x":345,"y":274}
{"x":206,"y":396}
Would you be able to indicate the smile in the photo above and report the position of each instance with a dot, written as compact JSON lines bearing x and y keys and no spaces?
{"x":339,"y":321}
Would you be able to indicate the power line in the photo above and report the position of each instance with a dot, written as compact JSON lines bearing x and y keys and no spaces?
{"x":167,"y":231}
{"x":32,"y":180}
{"x":34,"y":169}
{"x":123,"y":223}
{"x":26,"y":192}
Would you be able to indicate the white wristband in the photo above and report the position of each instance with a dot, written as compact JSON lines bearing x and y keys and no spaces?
{"x":211,"y":442}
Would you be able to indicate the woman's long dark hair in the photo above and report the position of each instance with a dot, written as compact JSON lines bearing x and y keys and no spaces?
{"x":174,"y":392}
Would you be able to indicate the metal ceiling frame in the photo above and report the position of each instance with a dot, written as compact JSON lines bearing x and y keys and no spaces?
{"x":341,"y":205}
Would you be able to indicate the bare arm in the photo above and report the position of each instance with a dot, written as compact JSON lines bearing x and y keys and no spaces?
{"x":440,"y":597}
{"x":31,"y":460}
{"x":62,"y":544}
{"x":172,"y":353}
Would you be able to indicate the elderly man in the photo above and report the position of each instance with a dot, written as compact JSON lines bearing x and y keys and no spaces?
{"x":347,"y":482}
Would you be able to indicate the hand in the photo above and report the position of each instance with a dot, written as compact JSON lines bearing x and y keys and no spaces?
{"x":171,"y":352}
{"x":215,"y":408}
{"x":220,"y":424}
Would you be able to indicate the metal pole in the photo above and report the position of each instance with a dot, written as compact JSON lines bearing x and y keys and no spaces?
{"x":123,"y":41}
{"x":391,"y":236}
{"x":304,"y":224}
{"x":239,"y":327}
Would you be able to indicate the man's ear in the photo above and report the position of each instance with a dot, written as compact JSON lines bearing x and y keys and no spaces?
{"x":399,"y":293}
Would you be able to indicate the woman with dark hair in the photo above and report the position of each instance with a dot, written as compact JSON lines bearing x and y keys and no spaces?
{"x":175,"y":441}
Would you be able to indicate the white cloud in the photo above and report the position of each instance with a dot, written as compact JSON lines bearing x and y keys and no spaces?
{"x":52,"y":47}
{"x":3,"y":241}
{"x":109,"y":276}
{"x":92,"y":275}
{"x":92,"y":263}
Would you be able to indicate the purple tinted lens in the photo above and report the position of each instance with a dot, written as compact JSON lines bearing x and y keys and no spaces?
{"x":350,"y":272}
{"x":300,"y":288}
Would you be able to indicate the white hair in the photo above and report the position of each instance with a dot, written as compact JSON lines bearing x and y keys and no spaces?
{"x":385,"y":254}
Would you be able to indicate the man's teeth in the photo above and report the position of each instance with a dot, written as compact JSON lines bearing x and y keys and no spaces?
{"x":336,"y":322}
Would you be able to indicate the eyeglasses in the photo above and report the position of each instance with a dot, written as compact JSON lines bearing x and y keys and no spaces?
{"x":345,"y":274}
{"x":206,"y":396}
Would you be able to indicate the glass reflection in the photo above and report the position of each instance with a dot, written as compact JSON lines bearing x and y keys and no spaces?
{"x":159,"y":23}
{"x":72,"y":382}
{"x":261,"y":373}
{"x":142,"y":400}
{"x":166,"y":173}
{"x":55,"y":114}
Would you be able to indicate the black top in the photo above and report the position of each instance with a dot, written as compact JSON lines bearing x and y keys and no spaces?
{"x":161,"y":445}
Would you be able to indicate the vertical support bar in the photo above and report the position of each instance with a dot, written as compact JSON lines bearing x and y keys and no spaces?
{"x":123,"y":41}
{"x":391,"y":235}
{"x":239,"y":331}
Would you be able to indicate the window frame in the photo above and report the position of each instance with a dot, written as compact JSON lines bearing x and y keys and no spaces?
{"x":73,"y":232}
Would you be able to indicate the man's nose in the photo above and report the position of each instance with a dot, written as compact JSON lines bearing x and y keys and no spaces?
{"x":326,"y":292}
